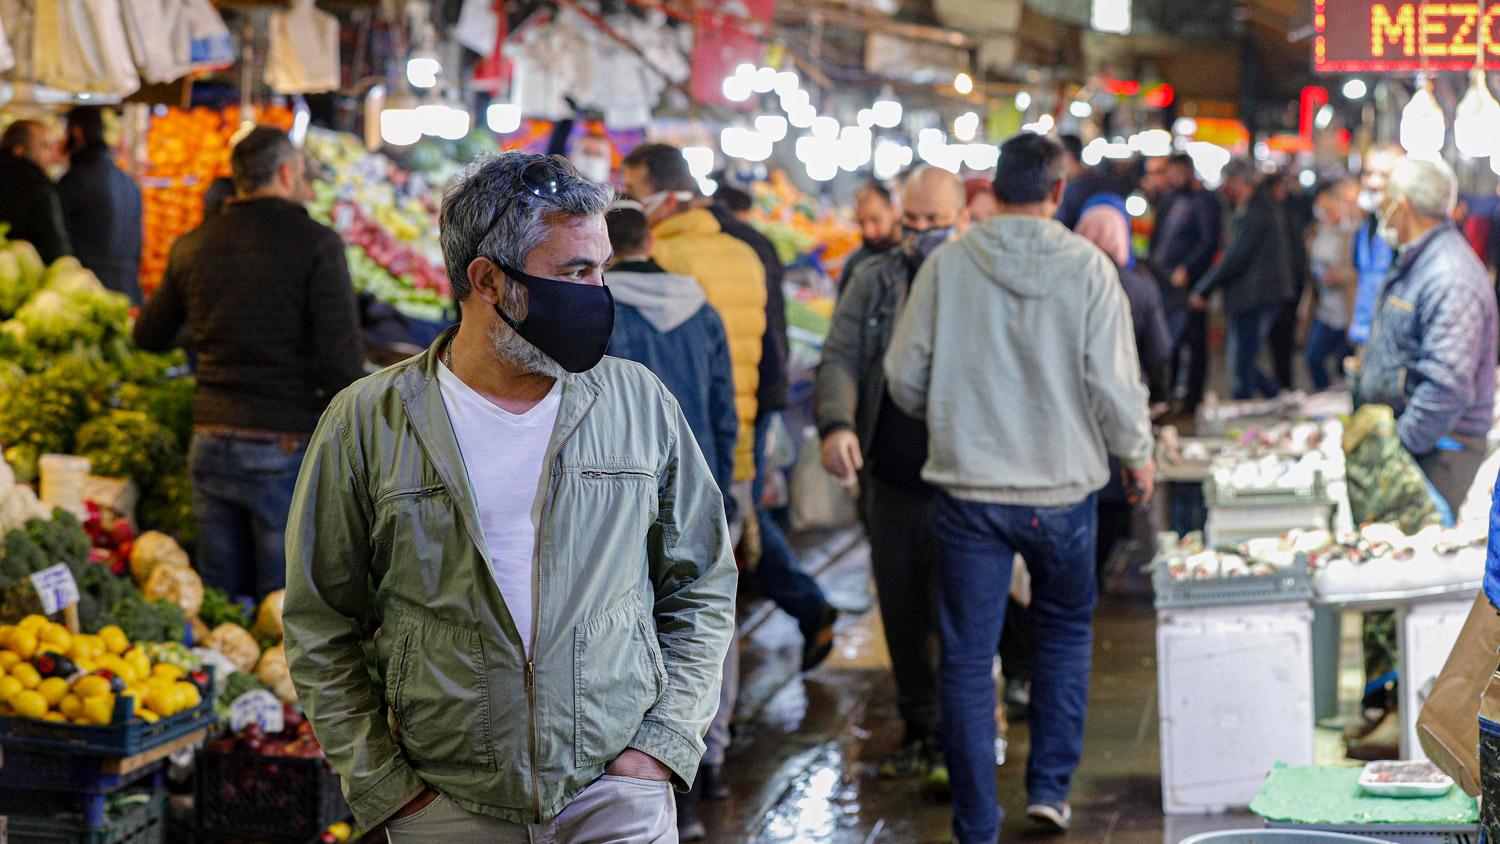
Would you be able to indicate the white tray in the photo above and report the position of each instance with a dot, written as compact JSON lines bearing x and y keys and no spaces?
{"x":1400,"y":789}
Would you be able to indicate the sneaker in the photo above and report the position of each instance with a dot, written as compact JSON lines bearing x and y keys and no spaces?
{"x":1017,"y":699}
{"x":904,"y":762}
{"x":818,"y":641}
{"x":937,"y":771}
{"x":1059,"y":816}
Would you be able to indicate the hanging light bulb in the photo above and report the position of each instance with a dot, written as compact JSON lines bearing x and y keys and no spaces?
{"x":1476,"y":121}
{"x":1422,"y":124}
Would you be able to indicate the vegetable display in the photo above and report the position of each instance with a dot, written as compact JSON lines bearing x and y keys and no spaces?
{"x":129,"y":444}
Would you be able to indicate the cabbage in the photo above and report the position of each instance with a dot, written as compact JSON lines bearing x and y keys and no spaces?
{"x":30,"y":262}
{"x":79,"y":282}
{"x":15,"y":287}
{"x":52,"y":320}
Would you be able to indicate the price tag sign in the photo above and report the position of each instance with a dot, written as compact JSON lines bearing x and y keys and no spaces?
{"x":256,"y":707}
{"x":56,"y":587}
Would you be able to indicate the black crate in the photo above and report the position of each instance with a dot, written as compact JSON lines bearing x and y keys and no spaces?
{"x":143,"y":822}
{"x":270,"y":798}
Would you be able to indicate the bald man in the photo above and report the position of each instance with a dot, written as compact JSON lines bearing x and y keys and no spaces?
{"x":30,"y":203}
{"x":866,"y":436}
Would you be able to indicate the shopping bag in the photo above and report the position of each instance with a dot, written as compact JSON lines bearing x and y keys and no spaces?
{"x":819,"y":501}
{"x":1448,"y":727}
{"x":7,"y":58}
{"x":150,"y":29}
{"x":80,"y":46}
{"x":304,"y":52}
{"x":1384,"y":481}
{"x":209,"y":44}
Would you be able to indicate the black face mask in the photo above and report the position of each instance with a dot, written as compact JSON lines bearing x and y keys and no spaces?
{"x":570,"y":323}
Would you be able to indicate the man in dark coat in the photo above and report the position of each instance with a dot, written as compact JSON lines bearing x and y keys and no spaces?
{"x":29,"y":203}
{"x":101,"y":206}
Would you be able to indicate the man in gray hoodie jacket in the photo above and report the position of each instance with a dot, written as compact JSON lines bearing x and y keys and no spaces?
{"x":1016,"y":347}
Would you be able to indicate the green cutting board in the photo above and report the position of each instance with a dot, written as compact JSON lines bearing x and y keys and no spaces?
{"x":1331,"y":796}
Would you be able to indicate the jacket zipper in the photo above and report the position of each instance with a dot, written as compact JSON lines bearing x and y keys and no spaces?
{"x":536,"y":612}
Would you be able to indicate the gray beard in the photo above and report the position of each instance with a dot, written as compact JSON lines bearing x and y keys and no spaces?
{"x":519,"y":352}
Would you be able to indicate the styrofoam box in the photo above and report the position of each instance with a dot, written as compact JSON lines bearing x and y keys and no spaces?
{"x":1236,"y":698}
{"x":1234,"y":524}
{"x":1426,"y":635}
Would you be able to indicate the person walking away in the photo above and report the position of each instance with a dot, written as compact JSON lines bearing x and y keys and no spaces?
{"x":528,"y":539}
{"x":30,"y":205}
{"x":664,"y":322}
{"x":690,"y":241}
{"x":101,"y":206}
{"x":1256,"y":276}
{"x":1184,"y":243}
{"x":1432,"y":345}
{"x":1083,"y":183}
{"x":1373,"y":255}
{"x":1015,"y":347}
{"x":265,"y":295}
{"x":865,"y":437}
{"x":879,"y":219}
{"x":1331,"y":264}
{"x":1106,"y":224}
{"x":1294,"y":222}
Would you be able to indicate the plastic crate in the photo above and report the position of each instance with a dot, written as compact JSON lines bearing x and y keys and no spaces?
{"x":1285,"y":586}
{"x":1317,"y":494}
{"x":142,"y":823}
{"x":52,"y":771}
{"x":280,"y":798}
{"x":127,"y":737}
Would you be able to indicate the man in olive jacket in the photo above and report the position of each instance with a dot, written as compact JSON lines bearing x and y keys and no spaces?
{"x":529,"y":539}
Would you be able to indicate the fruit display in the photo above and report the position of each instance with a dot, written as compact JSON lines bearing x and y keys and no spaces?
{"x":798,"y":225}
{"x":38,"y":544}
{"x":50,"y":674}
{"x":186,"y":151}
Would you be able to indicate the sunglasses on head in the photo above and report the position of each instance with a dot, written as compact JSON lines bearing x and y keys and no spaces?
{"x":542,"y":178}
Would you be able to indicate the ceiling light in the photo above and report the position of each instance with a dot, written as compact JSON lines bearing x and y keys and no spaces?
{"x":1355,"y":89}
{"x":963,"y":83}
{"x":503,"y":118}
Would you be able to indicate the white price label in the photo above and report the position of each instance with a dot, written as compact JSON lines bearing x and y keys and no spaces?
{"x":256,"y":707}
{"x":56,"y":587}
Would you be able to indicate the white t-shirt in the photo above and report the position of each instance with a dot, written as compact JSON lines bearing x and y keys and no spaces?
{"x":503,"y":455}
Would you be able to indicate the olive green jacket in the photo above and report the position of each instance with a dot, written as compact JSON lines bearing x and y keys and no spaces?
{"x":633,"y":605}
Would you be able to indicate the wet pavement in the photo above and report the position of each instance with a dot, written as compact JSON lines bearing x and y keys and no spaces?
{"x":803,"y":767}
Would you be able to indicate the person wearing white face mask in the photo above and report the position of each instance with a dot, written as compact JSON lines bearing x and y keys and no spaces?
{"x":1431,"y":350}
{"x":1372,"y":255}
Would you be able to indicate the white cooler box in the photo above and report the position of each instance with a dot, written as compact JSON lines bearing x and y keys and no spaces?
{"x":1236,"y":697}
{"x":1426,"y":635}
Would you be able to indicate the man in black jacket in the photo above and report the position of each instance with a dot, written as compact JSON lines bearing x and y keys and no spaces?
{"x":265,"y":293}
{"x":1257,"y":276}
{"x":1186,"y":237}
{"x":29,"y":202}
{"x":101,"y":206}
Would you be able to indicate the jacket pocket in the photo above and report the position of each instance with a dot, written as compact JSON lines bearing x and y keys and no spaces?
{"x":440,"y":693}
{"x":618,"y":675}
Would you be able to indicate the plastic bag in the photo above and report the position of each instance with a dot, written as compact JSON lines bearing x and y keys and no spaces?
{"x":80,"y":46}
{"x":209,"y":44}
{"x":819,"y":501}
{"x":304,"y":53}
{"x":149,"y":30}
{"x":7,"y":58}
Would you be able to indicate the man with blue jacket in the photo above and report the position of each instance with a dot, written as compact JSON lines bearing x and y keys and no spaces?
{"x":1372,"y":254}
{"x":1431,"y":349}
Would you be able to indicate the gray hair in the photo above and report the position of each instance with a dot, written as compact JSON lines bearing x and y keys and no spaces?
{"x":1428,"y":184}
{"x":491,"y":185}
{"x":258,"y":157}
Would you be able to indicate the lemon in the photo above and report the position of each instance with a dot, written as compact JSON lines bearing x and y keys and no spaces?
{"x":7,"y":659}
{"x":29,"y":704}
{"x":71,"y":705}
{"x":28,"y":675}
{"x":33,"y":623}
{"x":56,"y":634}
{"x":163,"y":700}
{"x":137,"y":659}
{"x":188,"y":696}
{"x":5,"y":630}
{"x":55,"y":716}
{"x":90,"y":685}
{"x":115,"y":640}
{"x":22,"y":642}
{"x":167,"y":670}
{"x":84,"y":663}
{"x":54,"y":689}
{"x":99,"y":709}
{"x":148,"y":716}
{"x":9,"y":687}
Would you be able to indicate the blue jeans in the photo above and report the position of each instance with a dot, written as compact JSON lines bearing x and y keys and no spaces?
{"x":242,"y":495}
{"x":1324,"y":342}
{"x":779,"y":574}
{"x":979,"y":543}
{"x":1248,"y":333}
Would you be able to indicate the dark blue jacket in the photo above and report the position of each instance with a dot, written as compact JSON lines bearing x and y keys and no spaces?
{"x":1187,"y":235}
{"x":102,"y":210}
{"x":664,"y":322}
{"x":1372,"y":260}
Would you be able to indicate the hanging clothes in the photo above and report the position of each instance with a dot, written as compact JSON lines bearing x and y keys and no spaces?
{"x":304,"y":53}
{"x":80,"y":46}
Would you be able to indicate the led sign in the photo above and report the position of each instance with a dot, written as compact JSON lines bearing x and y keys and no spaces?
{"x":1373,"y":36}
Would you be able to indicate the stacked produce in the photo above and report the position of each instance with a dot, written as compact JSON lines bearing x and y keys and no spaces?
{"x":52,"y":675}
{"x":75,"y":385}
{"x":798,"y":226}
{"x":388,"y":219}
{"x":187,"y":150}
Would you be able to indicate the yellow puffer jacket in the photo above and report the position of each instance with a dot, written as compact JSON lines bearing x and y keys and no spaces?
{"x":734,"y":280}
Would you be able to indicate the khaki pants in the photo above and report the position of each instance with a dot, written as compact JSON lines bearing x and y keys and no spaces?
{"x":613,"y":810}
